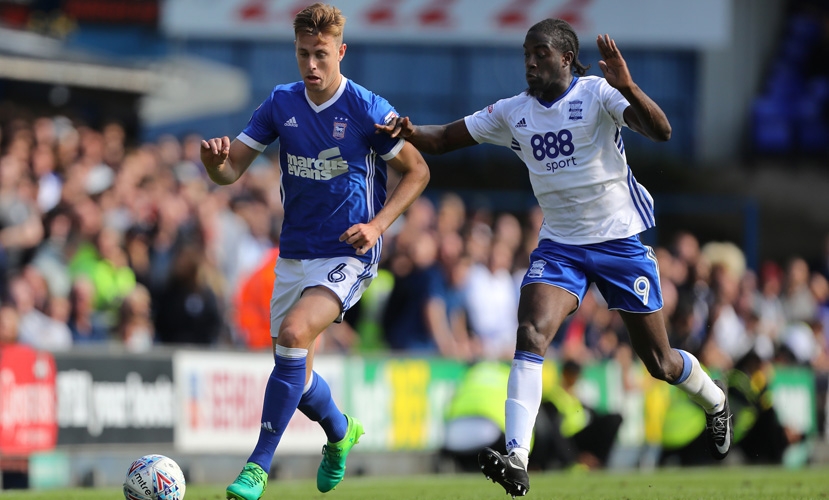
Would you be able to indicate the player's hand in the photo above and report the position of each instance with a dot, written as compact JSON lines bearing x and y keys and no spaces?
{"x":214,"y":151}
{"x":613,"y":66}
{"x":361,"y":236}
{"x":399,"y":126}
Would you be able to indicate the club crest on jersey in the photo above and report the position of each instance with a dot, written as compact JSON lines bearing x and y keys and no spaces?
{"x":339,"y":130}
{"x":575,"y":110}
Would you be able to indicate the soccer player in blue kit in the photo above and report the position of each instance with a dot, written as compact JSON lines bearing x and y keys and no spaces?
{"x":334,"y":195}
{"x":566,"y":127}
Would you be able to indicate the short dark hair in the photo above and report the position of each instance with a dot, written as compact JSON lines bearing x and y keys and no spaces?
{"x":564,"y":39}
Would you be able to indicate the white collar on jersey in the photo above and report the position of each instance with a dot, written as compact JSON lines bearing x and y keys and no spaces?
{"x":329,"y":102}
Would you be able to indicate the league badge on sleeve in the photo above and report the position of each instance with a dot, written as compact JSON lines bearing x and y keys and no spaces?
{"x":389,"y":117}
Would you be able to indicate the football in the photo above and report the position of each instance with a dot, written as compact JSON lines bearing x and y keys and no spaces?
{"x":154,"y":477}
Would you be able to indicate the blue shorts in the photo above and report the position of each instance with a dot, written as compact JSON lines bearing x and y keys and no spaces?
{"x":625,"y":272}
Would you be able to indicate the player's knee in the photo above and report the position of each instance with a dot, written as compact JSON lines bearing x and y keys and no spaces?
{"x":662,"y":368}
{"x":291,"y":335}
{"x":530,"y":339}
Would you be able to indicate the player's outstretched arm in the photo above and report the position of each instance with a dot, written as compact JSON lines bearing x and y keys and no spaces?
{"x":643,"y":115}
{"x":414,"y":178}
{"x":432,"y":139}
{"x":226,"y":161}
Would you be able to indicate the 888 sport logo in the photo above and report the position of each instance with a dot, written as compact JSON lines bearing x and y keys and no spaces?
{"x":553,"y":145}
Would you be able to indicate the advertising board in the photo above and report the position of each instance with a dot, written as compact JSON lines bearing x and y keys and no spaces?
{"x":27,"y":400}
{"x":644,"y":23}
{"x":117,"y":398}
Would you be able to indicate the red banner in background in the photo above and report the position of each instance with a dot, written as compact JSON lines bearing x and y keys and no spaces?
{"x":113,"y":11}
{"x":28,"y":417}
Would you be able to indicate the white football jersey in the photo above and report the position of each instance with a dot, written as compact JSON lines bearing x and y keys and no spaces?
{"x":574,"y":152}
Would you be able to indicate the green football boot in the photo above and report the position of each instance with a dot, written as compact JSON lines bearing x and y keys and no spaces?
{"x":332,"y":467}
{"x":249,"y":484}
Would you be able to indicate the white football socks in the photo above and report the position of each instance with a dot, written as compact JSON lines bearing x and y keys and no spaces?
{"x":700,"y":387}
{"x":523,"y":401}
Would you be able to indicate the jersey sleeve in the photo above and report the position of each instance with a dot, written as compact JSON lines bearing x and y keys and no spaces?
{"x":380,"y":111}
{"x":613,"y":101}
{"x":261,"y":129}
{"x":489,"y":125}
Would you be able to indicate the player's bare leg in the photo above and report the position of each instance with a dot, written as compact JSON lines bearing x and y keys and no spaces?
{"x":541,"y":310}
{"x":682,"y":369}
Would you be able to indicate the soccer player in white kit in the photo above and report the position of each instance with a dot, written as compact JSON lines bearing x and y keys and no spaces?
{"x":566,"y":127}
{"x":333,"y":180}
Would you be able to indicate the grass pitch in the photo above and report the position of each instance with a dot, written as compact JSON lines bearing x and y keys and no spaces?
{"x":749,"y":483}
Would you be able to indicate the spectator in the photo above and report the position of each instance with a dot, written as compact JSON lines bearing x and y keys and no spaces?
{"x":420,"y":315}
{"x":507,"y":229}
{"x":478,"y":242}
{"x":137,"y":249}
{"x":757,"y":431}
{"x":36,"y":328}
{"x":255,"y":242}
{"x":729,"y":340}
{"x":420,"y":218}
{"x":798,"y":301}
{"x":492,"y":302}
{"x":172,"y":219}
{"x":451,"y":214}
{"x":135,"y":324}
{"x":568,"y":432}
{"x":252,"y":305}
{"x":38,"y":286}
{"x":169,"y":151}
{"x":682,"y":331}
{"x":694,"y":292}
{"x":107,"y":267}
{"x":49,"y":183}
{"x":767,"y":304}
{"x":446,"y":307}
{"x":20,"y":226}
{"x":820,"y":290}
{"x":58,"y":308}
{"x":187,"y":311}
{"x":114,"y":138}
{"x":475,"y":414}
{"x":798,"y":345}
{"x":8,"y":325}
{"x":86,"y":325}
{"x":576,"y":332}
{"x":50,"y":258}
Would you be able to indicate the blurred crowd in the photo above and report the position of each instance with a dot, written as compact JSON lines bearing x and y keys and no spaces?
{"x":103,"y":241}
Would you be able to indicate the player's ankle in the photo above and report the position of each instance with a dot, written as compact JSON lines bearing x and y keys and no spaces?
{"x":522,"y":454}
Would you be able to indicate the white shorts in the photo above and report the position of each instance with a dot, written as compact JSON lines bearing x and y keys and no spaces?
{"x":347,"y":277}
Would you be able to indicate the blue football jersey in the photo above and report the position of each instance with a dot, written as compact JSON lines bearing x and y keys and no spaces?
{"x":333,"y":164}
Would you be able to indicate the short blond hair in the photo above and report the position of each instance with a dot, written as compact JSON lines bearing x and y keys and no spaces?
{"x":320,"y":19}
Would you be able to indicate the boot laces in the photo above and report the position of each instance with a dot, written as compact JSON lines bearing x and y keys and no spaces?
{"x":250,"y":476}
{"x":719,"y":426}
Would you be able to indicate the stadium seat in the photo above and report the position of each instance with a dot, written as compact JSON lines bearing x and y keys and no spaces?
{"x":772,"y":130}
{"x":805,"y":28}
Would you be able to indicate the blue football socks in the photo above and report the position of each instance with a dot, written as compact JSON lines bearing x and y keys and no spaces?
{"x":318,"y":405}
{"x":282,"y":396}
